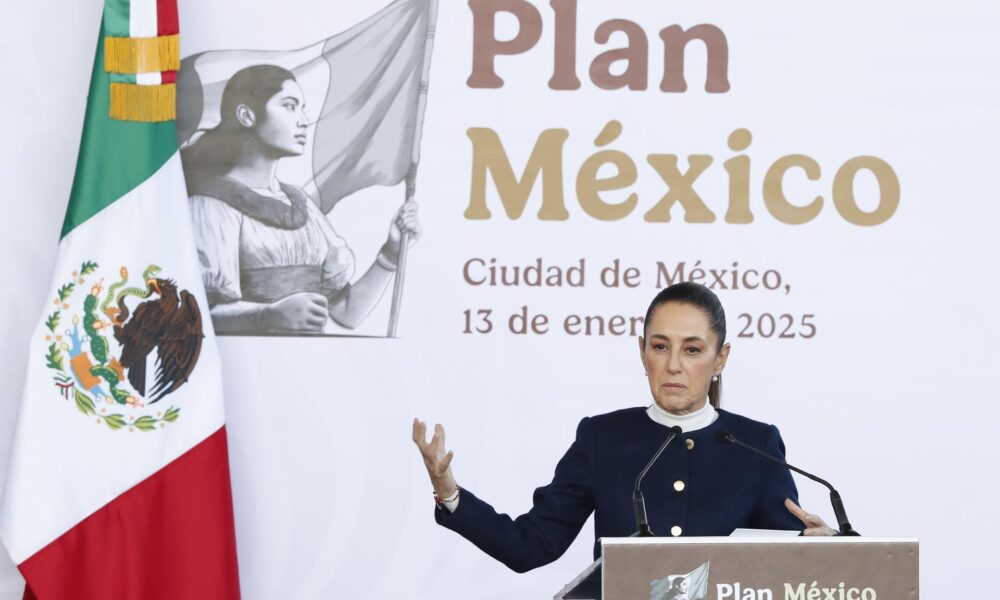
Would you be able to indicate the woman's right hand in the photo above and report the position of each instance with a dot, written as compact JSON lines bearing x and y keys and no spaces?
{"x":302,"y":312}
{"x":436,"y":459}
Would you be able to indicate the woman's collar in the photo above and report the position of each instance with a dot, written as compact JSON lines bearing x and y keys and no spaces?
{"x":293,"y":215}
{"x":693,"y":421}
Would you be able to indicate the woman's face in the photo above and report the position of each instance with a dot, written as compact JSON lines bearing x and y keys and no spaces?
{"x":680,"y":357}
{"x":282,"y":130}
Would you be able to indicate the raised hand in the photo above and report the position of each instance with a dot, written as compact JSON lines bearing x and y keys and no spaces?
{"x":405,"y":220}
{"x":436,"y":458}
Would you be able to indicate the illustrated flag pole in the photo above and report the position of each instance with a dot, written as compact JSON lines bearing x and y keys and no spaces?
{"x":411,"y":176}
{"x":118,"y":481}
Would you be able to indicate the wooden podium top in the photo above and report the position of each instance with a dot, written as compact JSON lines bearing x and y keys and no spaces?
{"x":750,"y":568}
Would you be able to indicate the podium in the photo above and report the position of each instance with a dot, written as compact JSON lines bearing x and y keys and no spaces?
{"x":752,"y":568}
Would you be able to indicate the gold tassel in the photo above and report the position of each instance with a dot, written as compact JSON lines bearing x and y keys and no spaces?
{"x":142,"y":55}
{"x":147,"y":103}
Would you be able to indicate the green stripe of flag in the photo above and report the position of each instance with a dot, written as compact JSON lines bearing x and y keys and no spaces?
{"x":115,"y":156}
{"x":116,"y":18}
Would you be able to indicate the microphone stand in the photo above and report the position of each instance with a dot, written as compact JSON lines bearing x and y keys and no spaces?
{"x":638,"y":502}
{"x":838,"y":505}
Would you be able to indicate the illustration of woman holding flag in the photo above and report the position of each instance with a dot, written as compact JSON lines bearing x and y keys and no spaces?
{"x":678,"y":589}
{"x":272,"y":261}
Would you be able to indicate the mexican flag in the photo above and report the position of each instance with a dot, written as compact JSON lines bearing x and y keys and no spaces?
{"x":118,"y":482}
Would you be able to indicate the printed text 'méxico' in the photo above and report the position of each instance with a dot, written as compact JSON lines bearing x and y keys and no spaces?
{"x":606,"y":196}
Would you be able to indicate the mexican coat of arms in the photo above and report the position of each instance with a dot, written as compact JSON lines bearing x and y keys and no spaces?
{"x":125,"y":348}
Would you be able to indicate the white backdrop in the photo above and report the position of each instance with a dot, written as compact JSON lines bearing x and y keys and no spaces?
{"x":892,"y":400}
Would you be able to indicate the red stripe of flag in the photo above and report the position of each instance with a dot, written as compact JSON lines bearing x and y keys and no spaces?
{"x":170,"y":537}
{"x":168,"y":77}
{"x":166,"y":17}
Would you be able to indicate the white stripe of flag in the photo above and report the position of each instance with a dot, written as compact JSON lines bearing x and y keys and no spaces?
{"x":142,"y":18}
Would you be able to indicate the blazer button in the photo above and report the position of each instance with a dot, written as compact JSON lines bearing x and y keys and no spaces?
{"x":679,"y":485}
{"x":675,"y":531}
{"x":690,"y":444}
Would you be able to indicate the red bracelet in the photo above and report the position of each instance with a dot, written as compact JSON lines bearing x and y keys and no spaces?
{"x":440,"y":501}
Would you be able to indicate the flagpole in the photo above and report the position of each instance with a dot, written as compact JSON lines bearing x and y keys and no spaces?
{"x":411,"y":175}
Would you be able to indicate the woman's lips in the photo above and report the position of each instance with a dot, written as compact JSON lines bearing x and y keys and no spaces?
{"x":674,"y":385}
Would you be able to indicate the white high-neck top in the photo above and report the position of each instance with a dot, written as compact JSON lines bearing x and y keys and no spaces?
{"x":699,"y":419}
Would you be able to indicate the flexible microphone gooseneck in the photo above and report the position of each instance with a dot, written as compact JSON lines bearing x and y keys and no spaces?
{"x":638,"y":502}
{"x":838,"y":504}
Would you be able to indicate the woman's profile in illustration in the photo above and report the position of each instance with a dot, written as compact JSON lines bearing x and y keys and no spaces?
{"x":272,"y":261}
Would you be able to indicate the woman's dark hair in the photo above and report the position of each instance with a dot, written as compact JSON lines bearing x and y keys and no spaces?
{"x":701,"y":297}
{"x":216,"y":151}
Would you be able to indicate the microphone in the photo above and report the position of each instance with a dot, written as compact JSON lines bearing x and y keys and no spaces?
{"x":838,"y":504}
{"x":638,"y":502}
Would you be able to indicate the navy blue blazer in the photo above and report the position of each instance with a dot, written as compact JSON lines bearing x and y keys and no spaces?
{"x":699,"y":485}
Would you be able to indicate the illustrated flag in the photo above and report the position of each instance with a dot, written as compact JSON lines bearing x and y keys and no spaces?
{"x":364,"y":87}
{"x":118,"y":482}
{"x":691,"y":586}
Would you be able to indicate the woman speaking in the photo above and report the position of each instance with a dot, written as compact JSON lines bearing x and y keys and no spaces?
{"x":698,"y":487}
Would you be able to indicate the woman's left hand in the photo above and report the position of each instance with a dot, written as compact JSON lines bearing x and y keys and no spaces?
{"x":405,"y":220}
{"x":814,"y":525}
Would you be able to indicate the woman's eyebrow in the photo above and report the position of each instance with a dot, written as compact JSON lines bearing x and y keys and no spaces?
{"x":690,"y":338}
{"x":291,"y":98}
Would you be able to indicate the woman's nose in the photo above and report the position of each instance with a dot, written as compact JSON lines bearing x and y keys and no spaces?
{"x":674,"y":362}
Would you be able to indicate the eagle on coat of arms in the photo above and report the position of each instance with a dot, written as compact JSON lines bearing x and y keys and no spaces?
{"x":122,"y":352}
{"x":169,"y":324}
